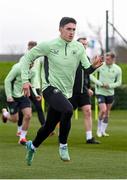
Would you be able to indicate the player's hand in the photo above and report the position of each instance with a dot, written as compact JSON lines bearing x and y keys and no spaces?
{"x":105,"y":85}
{"x":10,"y":99}
{"x":26,"y":89}
{"x":97,"y":61}
{"x":39,"y":98}
{"x":90,"y":92}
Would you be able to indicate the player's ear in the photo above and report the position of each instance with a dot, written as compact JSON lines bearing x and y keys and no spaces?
{"x":60,"y":29}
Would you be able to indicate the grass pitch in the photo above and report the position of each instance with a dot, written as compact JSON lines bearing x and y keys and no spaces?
{"x":107,"y":160}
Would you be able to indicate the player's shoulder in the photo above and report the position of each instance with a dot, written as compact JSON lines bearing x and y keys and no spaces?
{"x":51,"y":43}
{"x":77,"y":43}
{"x":116,"y":66}
{"x":16,"y":66}
{"x":16,"y":69}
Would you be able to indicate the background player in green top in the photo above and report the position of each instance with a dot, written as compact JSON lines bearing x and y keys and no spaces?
{"x":16,"y":100}
{"x":109,"y":78}
{"x":37,"y":82}
{"x":81,"y":98}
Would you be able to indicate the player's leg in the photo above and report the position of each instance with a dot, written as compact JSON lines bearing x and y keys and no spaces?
{"x":60,"y":108}
{"x":85,"y":104}
{"x":60,"y":104}
{"x":52,"y":119}
{"x":12,"y":113}
{"x":19,"y":123}
{"x":109,"y":102}
{"x":102,"y":111}
{"x":25,"y":106}
{"x":38,"y":107}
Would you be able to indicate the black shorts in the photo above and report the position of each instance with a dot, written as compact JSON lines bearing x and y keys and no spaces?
{"x":18,"y":104}
{"x":105,"y":99}
{"x":54,"y":97}
{"x":80,"y":100}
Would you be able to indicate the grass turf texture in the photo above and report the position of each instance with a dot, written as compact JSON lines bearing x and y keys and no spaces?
{"x":107,"y":160}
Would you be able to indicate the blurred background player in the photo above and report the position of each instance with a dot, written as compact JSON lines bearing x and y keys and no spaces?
{"x":37,"y":82}
{"x":82,"y":97}
{"x":16,"y":100}
{"x":109,"y":77}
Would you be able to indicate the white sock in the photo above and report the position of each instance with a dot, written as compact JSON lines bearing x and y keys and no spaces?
{"x":99,"y":125}
{"x":88,"y":135}
{"x":33,"y":147}
{"x":104,"y":127}
{"x":63,"y":145}
{"x":19,"y":128}
{"x":23,"y":134}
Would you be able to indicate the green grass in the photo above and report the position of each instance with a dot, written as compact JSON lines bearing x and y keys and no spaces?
{"x":107,"y":160}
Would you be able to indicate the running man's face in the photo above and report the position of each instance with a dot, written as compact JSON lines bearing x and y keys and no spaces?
{"x":68,"y":31}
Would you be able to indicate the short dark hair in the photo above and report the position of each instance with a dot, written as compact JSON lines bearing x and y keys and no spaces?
{"x":81,"y":38}
{"x":32,"y":43}
{"x":66,"y":20}
{"x":112,"y":54}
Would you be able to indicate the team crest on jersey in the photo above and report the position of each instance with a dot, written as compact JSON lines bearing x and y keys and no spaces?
{"x":11,"y":110}
{"x":99,"y":100}
{"x":54,"y":51}
{"x":73,"y":52}
{"x":56,"y":91}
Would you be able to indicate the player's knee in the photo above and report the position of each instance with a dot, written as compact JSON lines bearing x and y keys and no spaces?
{"x":103,"y":111}
{"x":88,"y":112}
{"x":68,"y":109}
{"x":27,"y":116}
{"x":14,"y":119}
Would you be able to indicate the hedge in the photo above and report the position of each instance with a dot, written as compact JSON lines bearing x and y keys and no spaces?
{"x":2,"y":98}
{"x":5,"y":67}
{"x":120,"y":98}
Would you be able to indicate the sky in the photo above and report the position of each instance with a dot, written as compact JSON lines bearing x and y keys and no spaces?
{"x":24,"y":20}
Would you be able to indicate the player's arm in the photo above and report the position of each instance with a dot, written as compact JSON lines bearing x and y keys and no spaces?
{"x":33,"y":83}
{"x":8,"y":82}
{"x":38,"y":51}
{"x":95,"y":80}
{"x":118,"y":80}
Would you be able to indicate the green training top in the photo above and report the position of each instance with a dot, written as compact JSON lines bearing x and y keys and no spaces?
{"x":13,"y":81}
{"x":63,"y":60}
{"x":109,"y":74}
{"x":37,"y":67}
